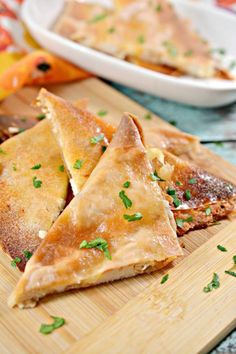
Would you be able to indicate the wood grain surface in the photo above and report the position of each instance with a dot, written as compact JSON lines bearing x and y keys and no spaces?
{"x":84,"y":310}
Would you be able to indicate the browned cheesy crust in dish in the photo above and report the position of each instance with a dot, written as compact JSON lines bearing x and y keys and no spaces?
{"x":197,"y":198}
{"x":118,"y":226}
{"x":32,"y":190}
{"x":148,"y":33}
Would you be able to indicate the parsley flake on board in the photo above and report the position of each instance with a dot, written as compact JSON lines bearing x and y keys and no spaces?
{"x":187,"y":194}
{"x":221,"y":248}
{"x":126,"y":184}
{"x":180,"y":222}
{"x":102,"y":113}
{"x":41,"y":116}
{"x":96,"y":139}
{"x":127,"y":202}
{"x":61,"y":168}
{"x":147,"y":116}
{"x":208,"y":211}
{"x":37,"y":183}
{"x":27,"y":254}
{"x":99,"y":243}
{"x":49,"y":328}
{"x":78,"y":164}
{"x":214,"y":284}
{"x":230,"y":272}
{"x":192,"y":181}
{"x":164,"y":279}
{"x":15,"y":261}
{"x":134,"y":217}
{"x":154,"y":176}
{"x":36,"y":167}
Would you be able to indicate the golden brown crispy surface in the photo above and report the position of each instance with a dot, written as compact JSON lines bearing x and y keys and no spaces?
{"x":24,"y":209}
{"x":74,"y":128}
{"x":148,"y":33}
{"x":206,"y":191}
{"x":135,"y":247}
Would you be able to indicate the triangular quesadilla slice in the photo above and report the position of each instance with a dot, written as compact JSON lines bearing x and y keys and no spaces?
{"x":118,"y":226}
{"x":33,"y":188}
{"x":81,"y":135}
{"x":197,"y":198}
{"x":150,"y":33}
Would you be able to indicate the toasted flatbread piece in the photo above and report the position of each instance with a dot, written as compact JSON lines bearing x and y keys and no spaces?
{"x":148,"y":32}
{"x":137,"y":246}
{"x":81,"y":135}
{"x":28,"y":207}
{"x":197,"y":198}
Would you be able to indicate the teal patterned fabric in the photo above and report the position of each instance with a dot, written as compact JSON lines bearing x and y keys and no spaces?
{"x":208,"y":124}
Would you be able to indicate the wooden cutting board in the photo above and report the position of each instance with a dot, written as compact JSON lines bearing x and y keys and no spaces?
{"x":175,"y":318}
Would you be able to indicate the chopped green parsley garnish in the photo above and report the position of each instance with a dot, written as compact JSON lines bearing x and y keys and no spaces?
{"x":141,"y":39}
{"x":232,"y":65}
{"x":147,"y":116}
{"x":96,"y":139}
{"x":154,"y":176}
{"x":171,"y":50}
{"x":111,"y":30}
{"x":164,"y":279}
{"x":14,"y":167}
{"x":187,"y":194}
{"x":78,"y":164}
{"x":178,"y":183}
{"x":61,"y":168}
{"x":219,"y":143}
{"x":221,"y":248}
{"x":173,"y":122}
{"x":230,"y":272}
{"x":134,"y":217}
{"x":188,"y":53}
{"x":126,"y":184}
{"x":49,"y":328}
{"x":27,"y":254}
{"x":98,"y":18}
{"x":2,"y":151}
{"x":102,"y":113}
{"x":21,"y":130}
{"x":104,"y":148}
{"x":98,"y":243}
{"x":192,"y":181}
{"x":127,"y":202}
{"x":36,"y":167}
{"x":220,"y":51}
{"x":214,"y":284}
{"x":158,"y":8}
{"x":180,"y":222}
{"x":176,"y":200}
{"x":37,"y":183}
{"x":41,"y":116}
{"x":208,"y":211}
{"x":234,"y":259}
{"x":171,"y":191}
{"x":15,"y":261}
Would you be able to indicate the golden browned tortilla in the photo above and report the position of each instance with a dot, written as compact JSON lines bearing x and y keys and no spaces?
{"x":132,"y":246}
{"x":31,"y":197}
{"x":197,"y":198}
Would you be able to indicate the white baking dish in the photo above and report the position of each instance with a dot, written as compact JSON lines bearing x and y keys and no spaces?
{"x":218,"y":26}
